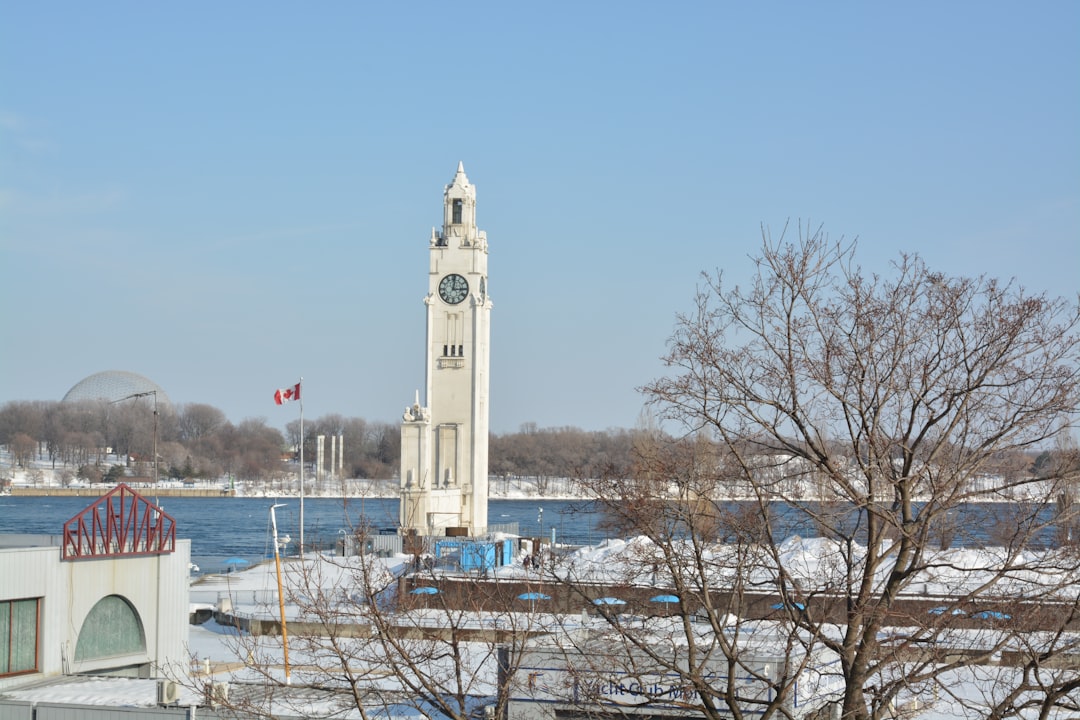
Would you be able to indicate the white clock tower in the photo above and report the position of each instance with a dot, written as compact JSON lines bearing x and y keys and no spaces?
{"x":444,"y":434}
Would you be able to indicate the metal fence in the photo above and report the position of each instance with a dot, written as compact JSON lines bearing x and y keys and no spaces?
{"x":23,"y":710}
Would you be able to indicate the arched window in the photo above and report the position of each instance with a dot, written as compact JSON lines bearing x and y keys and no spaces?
{"x":111,"y":628}
{"x":456,"y":219}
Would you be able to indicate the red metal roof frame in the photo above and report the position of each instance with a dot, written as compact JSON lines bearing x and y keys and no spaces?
{"x":121,"y":522}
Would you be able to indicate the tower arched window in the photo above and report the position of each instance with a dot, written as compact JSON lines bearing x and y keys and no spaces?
{"x":456,"y":219}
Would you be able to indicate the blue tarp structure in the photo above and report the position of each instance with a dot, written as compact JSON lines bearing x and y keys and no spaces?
{"x":478,"y":556}
{"x":481,"y":555}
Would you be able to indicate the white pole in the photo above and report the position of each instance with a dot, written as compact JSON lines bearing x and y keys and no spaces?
{"x":320,"y":459}
{"x":280,"y":594}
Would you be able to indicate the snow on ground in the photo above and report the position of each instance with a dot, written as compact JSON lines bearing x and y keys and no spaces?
{"x":253,"y":591}
{"x":816,"y":564}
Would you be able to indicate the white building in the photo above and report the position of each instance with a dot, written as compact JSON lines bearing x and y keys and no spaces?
{"x":444,"y":434}
{"x":107,"y":595}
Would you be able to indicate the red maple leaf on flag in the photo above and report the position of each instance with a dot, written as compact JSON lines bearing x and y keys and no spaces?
{"x":284,"y":395}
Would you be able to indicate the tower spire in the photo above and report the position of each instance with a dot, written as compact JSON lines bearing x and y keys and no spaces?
{"x":460,"y":178}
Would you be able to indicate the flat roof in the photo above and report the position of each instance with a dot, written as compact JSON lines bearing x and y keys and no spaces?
{"x":27,"y":540}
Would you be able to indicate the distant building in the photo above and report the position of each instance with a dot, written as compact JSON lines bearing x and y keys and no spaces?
{"x":108,"y":595}
{"x":113,"y":385}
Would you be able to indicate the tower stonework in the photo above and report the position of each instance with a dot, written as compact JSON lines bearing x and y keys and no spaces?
{"x":444,"y":434}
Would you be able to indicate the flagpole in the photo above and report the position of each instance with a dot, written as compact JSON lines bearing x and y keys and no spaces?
{"x":301,"y":467}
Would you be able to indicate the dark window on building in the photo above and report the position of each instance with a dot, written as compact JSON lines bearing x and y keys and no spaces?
{"x":461,"y":350}
{"x":19,"y":624}
{"x":457,"y":212}
{"x":445,"y":350}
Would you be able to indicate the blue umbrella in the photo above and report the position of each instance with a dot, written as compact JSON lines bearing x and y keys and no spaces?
{"x":796,"y":605}
{"x":941,"y":609}
{"x":608,"y":601}
{"x":424,"y":591}
{"x":664,"y":598}
{"x":533,"y":596}
{"x":234,"y":563}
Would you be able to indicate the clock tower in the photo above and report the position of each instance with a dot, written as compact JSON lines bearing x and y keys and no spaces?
{"x":444,"y":434}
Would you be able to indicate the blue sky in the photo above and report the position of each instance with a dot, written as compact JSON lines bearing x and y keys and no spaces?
{"x":224,"y":197}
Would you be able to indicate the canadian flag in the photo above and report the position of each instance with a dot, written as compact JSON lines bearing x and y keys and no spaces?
{"x":284,"y":395}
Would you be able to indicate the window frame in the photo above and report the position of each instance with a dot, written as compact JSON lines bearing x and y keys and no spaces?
{"x":7,"y":607}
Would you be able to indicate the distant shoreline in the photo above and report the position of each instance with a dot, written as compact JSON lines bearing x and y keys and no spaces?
{"x":203,"y":492}
{"x":99,"y":491}
{"x":214,"y":493}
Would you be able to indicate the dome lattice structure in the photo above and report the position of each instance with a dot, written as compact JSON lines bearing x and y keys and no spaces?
{"x":113,"y":385}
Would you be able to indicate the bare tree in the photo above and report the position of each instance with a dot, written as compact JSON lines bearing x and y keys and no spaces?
{"x":870,"y":411}
{"x":197,"y":420}
{"x":557,"y":459}
{"x":22,"y":417}
{"x":74,"y":430}
{"x":78,"y":448}
{"x":22,"y":448}
{"x":365,"y":639}
{"x":256,"y":450}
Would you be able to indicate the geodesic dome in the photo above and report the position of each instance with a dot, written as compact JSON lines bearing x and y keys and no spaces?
{"x":113,"y":385}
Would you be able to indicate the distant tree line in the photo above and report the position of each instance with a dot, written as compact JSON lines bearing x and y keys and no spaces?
{"x":82,"y":440}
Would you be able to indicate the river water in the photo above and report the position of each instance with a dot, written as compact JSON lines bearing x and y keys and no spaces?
{"x":224,"y":528}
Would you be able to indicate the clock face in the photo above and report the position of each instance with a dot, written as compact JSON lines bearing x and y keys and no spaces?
{"x":453,"y":289}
